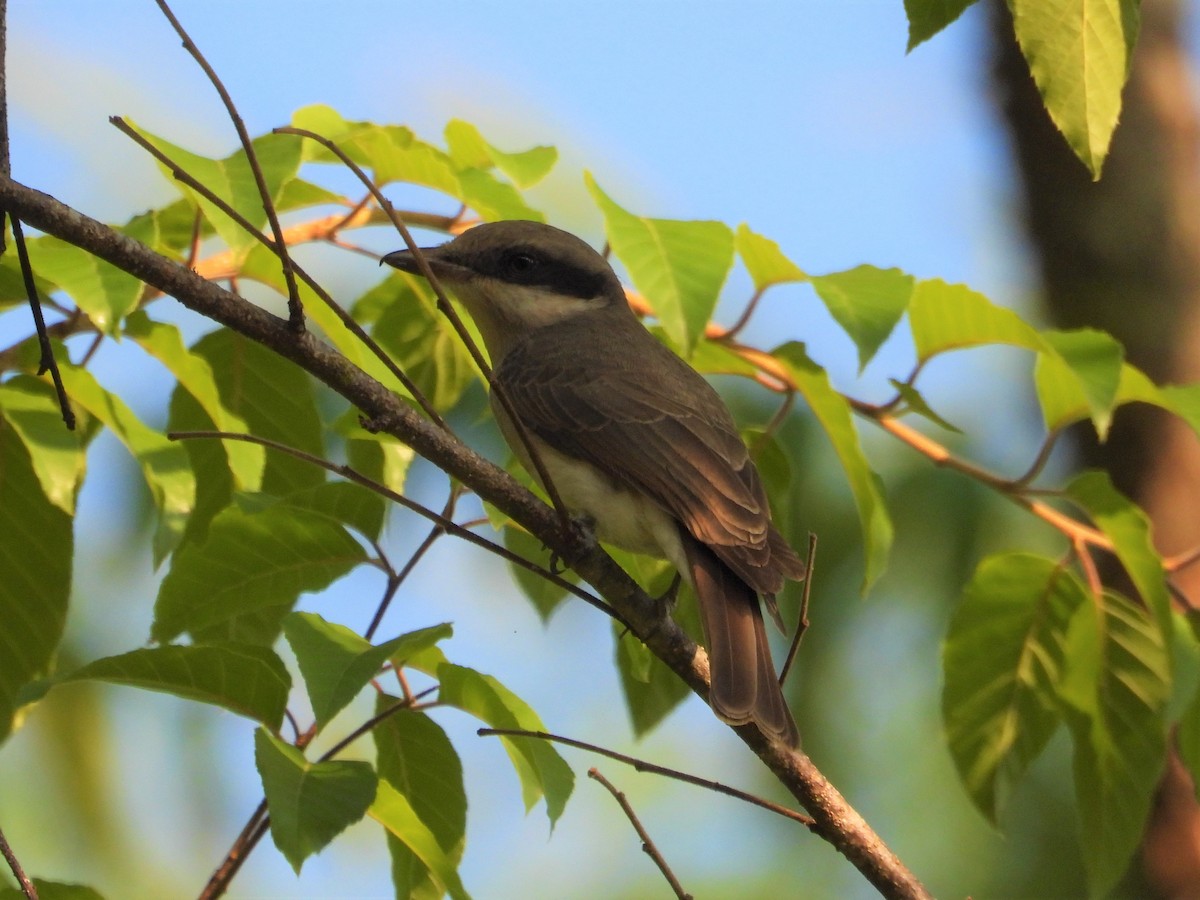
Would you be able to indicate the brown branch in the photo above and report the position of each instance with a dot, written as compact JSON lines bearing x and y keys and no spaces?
{"x":295,"y":307}
{"x":648,"y":844}
{"x":835,"y":819}
{"x":251,"y":833}
{"x":27,"y":886}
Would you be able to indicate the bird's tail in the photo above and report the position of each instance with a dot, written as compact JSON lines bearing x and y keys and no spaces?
{"x":744,"y":687}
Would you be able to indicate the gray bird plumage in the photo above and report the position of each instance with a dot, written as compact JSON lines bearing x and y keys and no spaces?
{"x":631,"y":436}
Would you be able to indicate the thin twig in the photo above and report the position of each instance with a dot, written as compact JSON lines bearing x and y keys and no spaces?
{"x":642,"y":766}
{"x":648,"y":844}
{"x":744,"y":319}
{"x":802,"y":623}
{"x":449,"y":312}
{"x":27,"y":886}
{"x":246,"y":840}
{"x":447,"y":525}
{"x":346,"y":319}
{"x":295,"y":307}
{"x":1039,"y":461}
{"x":47,"y":362}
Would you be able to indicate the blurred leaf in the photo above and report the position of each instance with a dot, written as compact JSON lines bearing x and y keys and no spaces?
{"x":12,"y":282}
{"x":53,"y":890}
{"x":35,"y":574}
{"x":310,"y":803}
{"x":915,"y":402}
{"x":30,"y":407}
{"x":867,"y":302}
{"x":232,"y":180}
{"x":468,"y":149}
{"x":336,"y":663}
{"x":1002,"y":661}
{"x":679,"y":266}
{"x":764,"y":260}
{"x":947,"y":317}
{"x":541,"y":770}
{"x":1088,"y":363}
{"x":651,"y":689}
{"x":927,"y":17}
{"x":1079,"y":54}
{"x":164,"y":464}
{"x":1187,"y":739}
{"x":195,"y":375}
{"x":543,"y":594}
{"x":414,"y":756}
{"x":1115,"y":692}
{"x":248,"y":680}
{"x":251,"y":561}
{"x":275,"y":397}
{"x":833,"y":412}
{"x":104,"y":292}
{"x":1128,"y":527}
{"x":394,"y":812}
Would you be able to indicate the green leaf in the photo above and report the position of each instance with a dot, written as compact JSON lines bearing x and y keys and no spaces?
{"x":1187,"y":739}
{"x":164,"y":464}
{"x":54,"y":890}
{"x":1088,"y":364}
{"x":468,"y":149}
{"x":1115,"y":692}
{"x":394,"y":812}
{"x":947,"y":317}
{"x":927,"y":17}
{"x":541,"y":770}
{"x":651,"y":689}
{"x":310,"y":803}
{"x":378,"y":456}
{"x":833,"y":412}
{"x":1128,"y":527}
{"x":30,"y":407}
{"x":104,"y":292}
{"x":336,"y":663}
{"x":1079,"y":52}
{"x":248,"y":680}
{"x":341,"y":502}
{"x":867,"y":302}
{"x":415,"y":757}
{"x":195,"y":375}
{"x":546,"y":596}
{"x":764,"y":260}
{"x":35,"y":574}
{"x":251,"y":562}
{"x":679,"y":266}
{"x":168,"y":230}
{"x":232,"y":180}
{"x":915,"y":402}
{"x":1002,"y":662}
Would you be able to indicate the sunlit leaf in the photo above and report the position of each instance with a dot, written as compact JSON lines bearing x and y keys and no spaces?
{"x":867,"y":302}
{"x":29,"y":406}
{"x":915,"y":402}
{"x":468,"y":149}
{"x":1086,"y":362}
{"x":394,"y":812}
{"x":248,"y":680}
{"x":104,"y":292}
{"x":764,"y":260}
{"x":947,"y":317}
{"x":1079,"y":53}
{"x":678,"y":266}
{"x":927,"y":17}
{"x":310,"y":803}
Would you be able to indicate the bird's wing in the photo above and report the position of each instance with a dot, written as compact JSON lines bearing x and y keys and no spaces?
{"x":669,"y":437}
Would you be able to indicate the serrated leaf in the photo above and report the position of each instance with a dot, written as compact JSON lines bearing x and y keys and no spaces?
{"x":927,"y":17}
{"x":336,"y":663}
{"x":1128,"y":527}
{"x":1115,"y":693}
{"x":195,"y":375}
{"x":678,"y":266}
{"x":468,"y":149}
{"x":104,"y":292}
{"x":251,"y":562}
{"x":164,"y":464}
{"x":1002,"y":661}
{"x":764,"y":260}
{"x":543,"y":773}
{"x":248,"y":680}
{"x":1079,"y":54}
{"x":1086,"y":363}
{"x":394,"y":812}
{"x":415,"y":757}
{"x":833,"y":412}
{"x":35,"y":574}
{"x":30,"y":407}
{"x":867,"y":302}
{"x":310,"y":803}
{"x":232,"y":180}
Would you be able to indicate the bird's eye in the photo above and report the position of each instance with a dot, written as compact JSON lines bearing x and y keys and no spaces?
{"x":520,"y":262}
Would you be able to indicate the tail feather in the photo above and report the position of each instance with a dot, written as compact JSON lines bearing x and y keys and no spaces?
{"x":744,"y":688}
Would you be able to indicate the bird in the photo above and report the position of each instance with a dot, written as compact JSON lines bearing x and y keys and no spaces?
{"x":635,"y":441}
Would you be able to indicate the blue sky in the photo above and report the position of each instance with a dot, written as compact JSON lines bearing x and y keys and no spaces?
{"x":804,"y":119}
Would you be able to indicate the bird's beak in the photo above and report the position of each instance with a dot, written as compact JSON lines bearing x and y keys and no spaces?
{"x":444,"y":269}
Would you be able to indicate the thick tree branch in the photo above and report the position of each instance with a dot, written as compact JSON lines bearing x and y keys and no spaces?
{"x":836,"y":821}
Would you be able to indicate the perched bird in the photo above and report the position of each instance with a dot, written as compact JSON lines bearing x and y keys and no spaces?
{"x":632,"y":437}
